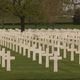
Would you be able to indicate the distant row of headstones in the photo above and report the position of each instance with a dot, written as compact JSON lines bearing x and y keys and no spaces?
{"x":43,"y":42}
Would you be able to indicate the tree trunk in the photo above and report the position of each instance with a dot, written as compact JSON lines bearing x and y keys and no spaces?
{"x":22,"y":23}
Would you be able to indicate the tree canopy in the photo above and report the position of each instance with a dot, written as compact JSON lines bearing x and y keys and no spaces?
{"x":33,"y":10}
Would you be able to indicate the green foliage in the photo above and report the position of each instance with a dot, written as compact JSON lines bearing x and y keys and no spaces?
{"x":77,"y":12}
{"x":33,"y":10}
{"x":3,"y":6}
{"x":22,"y":8}
{"x":76,"y":18}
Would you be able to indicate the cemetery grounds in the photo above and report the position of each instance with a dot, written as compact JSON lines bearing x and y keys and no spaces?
{"x":23,"y":68}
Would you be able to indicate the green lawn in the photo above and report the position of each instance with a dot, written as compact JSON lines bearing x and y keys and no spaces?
{"x":25,"y":69}
{"x":45,"y":26}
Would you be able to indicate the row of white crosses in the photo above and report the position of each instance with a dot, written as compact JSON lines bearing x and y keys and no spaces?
{"x":39,"y":51}
{"x":5,"y":59}
{"x":39,"y":42}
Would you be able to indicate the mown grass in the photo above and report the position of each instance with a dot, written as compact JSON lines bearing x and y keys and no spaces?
{"x":24,"y":68}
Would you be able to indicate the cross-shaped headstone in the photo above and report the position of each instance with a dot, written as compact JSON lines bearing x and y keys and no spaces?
{"x":8,"y":58}
{"x":56,"y":58}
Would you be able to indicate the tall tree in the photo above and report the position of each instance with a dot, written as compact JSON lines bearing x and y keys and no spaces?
{"x":52,"y":9}
{"x":21,"y":8}
{"x":73,"y":8}
{"x":70,"y":6}
{"x":35,"y":10}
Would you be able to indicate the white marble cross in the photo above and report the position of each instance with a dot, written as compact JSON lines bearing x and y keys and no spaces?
{"x":2,"y":54}
{"x":47,"y":54}
{"x":78,"y":51}
{"x":56,"y":58}
{"x":8,"y":58}
{"x":39,"y":52}
{"x":0,"y":57}
{"x":71,"y":49}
